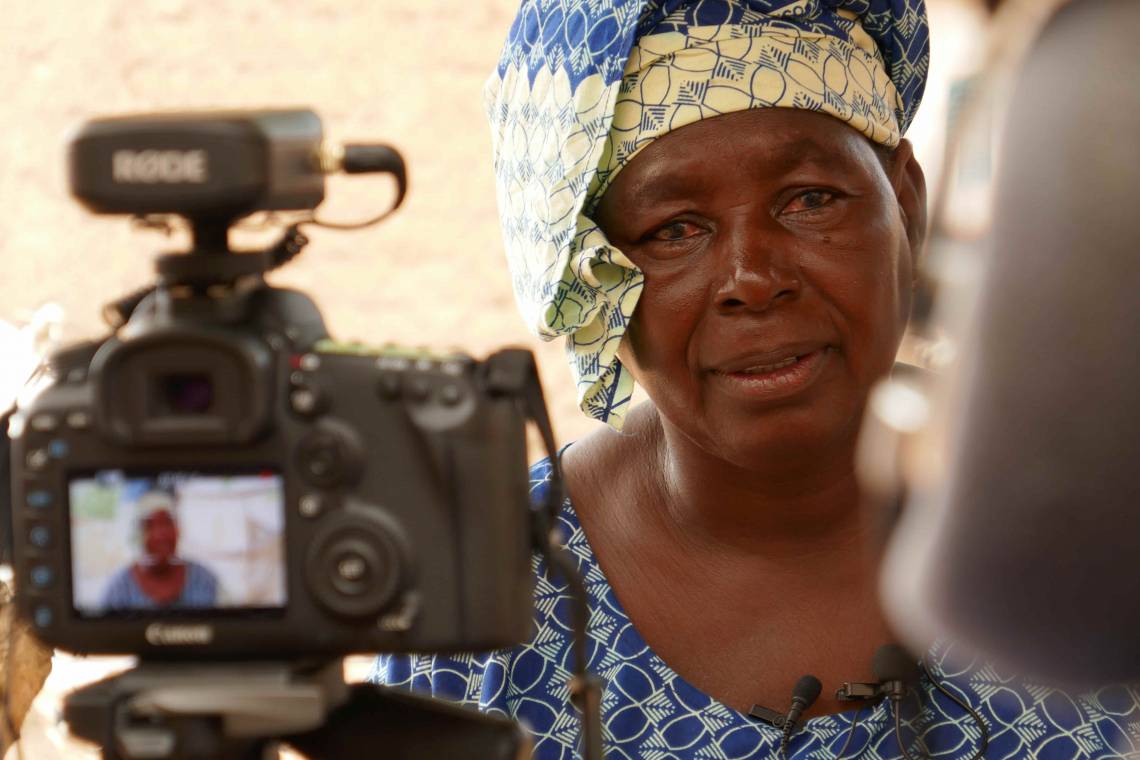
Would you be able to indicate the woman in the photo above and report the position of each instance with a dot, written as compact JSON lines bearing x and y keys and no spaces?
{"x":713,"y":199}
{"x":160,"y":578}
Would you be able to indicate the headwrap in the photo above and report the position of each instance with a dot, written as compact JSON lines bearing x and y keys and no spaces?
{"x":583,"y":85}
{"x":149,"y":504}
{"x":154,"y":501}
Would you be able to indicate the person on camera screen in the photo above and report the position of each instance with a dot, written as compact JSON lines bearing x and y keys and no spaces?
{"x":160,"y":578}
{"x":714,"y":198}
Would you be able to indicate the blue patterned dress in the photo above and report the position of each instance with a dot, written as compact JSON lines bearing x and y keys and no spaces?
{"x":651,"y":713}
{"x":124,"y":593}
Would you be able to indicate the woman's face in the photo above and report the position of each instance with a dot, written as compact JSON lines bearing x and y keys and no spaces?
{"x":777,"y":255}
{"x":160,"y":536}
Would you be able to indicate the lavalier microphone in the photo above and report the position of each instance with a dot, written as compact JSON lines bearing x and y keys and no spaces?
{"x":895,"y":670}
{"x":804,"y":694}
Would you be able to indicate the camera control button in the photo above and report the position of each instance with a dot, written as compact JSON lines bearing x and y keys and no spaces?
{"x":321,"y":459}
{"x":450,"y":394}
{"x":78,"y":420}
{"x":389,"y":386}
{"x":59,"y":449}
{"x":38,"y":499}
{"x":358,"y":567}
{"x":329,"y":457}
{"x":352,"y":567}
{"x":418,"y":388}
{"x":39,"y":536}
{"x":43,"y":617}
{"x":310,"y":505}
{"x":394,"y":363}
{"x":457,"y":365}
{"x":44,"y":423}
{"x":305,"y":401}
{"x":37,"y":459}
{"x":41,"y":576}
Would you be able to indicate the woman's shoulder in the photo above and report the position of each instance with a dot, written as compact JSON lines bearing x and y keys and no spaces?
{"x":474,"y":679}
{"x":121,"y":579}
{"x":199,"y":574}
{"x":597,"y":461}
{"x":597,"y":466}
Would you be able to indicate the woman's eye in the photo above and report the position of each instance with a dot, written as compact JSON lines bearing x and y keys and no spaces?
{"x":809,"y":201}
{"x":674,"y":231}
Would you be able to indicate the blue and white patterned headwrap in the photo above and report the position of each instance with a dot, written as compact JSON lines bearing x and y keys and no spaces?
{"x":583,"y":85}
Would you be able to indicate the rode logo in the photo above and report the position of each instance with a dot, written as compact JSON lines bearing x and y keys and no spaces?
{"x":166,"y":635}
{"x":151,"y":167}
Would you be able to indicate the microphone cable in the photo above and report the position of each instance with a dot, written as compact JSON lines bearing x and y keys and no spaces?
{"x":850,"y":733}
{"x":896,"y":708}
{"x":984,"y":741}
{"x":895,"y":670}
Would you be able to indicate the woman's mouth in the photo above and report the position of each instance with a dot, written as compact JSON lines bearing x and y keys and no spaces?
{"x":773,"y":380}
{"x":762,"y":369}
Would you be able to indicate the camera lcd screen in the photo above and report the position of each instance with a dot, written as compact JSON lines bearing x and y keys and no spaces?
{"x":170,"y":541}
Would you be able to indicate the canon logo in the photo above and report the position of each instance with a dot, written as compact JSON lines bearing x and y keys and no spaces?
{"x":151,"y":167}
{"x":166,"y":635}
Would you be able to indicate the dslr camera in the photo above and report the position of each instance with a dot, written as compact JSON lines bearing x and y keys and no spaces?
{"x":217,"y":480}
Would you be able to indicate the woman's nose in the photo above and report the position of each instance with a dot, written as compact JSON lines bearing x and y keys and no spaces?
{"x":755,"y":274}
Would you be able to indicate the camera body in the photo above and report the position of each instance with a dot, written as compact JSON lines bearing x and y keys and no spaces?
{"x":390,"y":497}
{"x":219,"y":480}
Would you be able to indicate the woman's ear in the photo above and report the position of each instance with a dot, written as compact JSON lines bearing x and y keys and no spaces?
{"x":909,"y":185}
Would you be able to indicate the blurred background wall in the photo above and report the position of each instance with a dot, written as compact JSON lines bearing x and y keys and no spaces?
{"x":406,"y":73}
{"x":409,"y":73}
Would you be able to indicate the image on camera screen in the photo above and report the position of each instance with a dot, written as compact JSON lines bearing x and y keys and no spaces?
{"x":177,"y":541}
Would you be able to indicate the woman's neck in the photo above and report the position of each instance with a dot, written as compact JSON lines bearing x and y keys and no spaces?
{"x":756,"y":565}
{"x":159,"y":566}
{"x":787,"y":509}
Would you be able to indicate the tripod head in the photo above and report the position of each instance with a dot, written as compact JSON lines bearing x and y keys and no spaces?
{"x":228,"y":711}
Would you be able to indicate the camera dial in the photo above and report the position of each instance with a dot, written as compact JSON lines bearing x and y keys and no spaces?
{"x":356,"y":562}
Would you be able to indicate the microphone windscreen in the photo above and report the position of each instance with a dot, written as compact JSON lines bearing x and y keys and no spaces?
{"x":893,"y":663}
{"x":807,"y":689}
